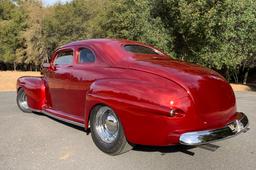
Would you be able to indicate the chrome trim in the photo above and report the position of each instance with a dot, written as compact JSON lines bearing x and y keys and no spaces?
{"x":59,"y":118}
{"x":207,"y":136}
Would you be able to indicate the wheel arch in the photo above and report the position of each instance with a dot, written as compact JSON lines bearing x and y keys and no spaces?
{"x":34,"y":88}
{"x":90,"y":112}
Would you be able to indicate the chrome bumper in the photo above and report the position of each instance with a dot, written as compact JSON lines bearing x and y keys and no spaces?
{"x":207,"y":136}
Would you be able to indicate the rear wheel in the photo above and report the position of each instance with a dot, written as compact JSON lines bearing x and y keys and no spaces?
{"x":22,"y":101}
{"x":107,"y":131}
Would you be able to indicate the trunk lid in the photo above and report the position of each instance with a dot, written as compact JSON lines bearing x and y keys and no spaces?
{"x":212,"y":95}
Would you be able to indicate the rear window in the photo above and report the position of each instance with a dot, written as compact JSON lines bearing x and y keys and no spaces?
{"x":139,"y":49}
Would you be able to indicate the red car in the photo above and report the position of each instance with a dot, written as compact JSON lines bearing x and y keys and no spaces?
{"x":130,"y":93}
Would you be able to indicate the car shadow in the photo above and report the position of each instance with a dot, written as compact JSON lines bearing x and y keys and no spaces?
{"x":64,"y":123}
{"x":176,"y":148}
{"x":165,"y":149}
{"x":142,"y":148}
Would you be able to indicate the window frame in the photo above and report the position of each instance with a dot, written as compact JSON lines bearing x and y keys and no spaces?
{"x":59,"y":52}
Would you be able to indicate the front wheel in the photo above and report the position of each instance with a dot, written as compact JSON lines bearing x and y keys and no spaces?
{"x":22,"y":101}
{"x":107,"y":131}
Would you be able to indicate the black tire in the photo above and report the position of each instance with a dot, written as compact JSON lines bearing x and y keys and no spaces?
{"x":118,"y":143}
{"x":22,"y":101}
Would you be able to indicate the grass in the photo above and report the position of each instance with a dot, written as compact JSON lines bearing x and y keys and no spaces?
{"x":242,"y":87}
{"x":8,"y":79}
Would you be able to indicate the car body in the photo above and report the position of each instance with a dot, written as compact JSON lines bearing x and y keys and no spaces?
{"x":157,"y":100}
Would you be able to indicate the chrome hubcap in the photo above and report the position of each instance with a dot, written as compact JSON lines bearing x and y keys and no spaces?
{"x":23,"y":101}
{"x":107,"y":125}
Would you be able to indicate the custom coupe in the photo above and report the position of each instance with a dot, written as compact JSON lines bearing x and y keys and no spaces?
{"x":130,"y":93}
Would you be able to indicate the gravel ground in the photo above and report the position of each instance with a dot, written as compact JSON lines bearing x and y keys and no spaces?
{"x":33,"y":141}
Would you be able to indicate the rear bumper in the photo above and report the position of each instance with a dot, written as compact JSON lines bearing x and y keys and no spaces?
{"x":240,"y":124}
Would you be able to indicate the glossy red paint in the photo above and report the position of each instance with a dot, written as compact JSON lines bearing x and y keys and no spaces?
{"x":141,"y":89}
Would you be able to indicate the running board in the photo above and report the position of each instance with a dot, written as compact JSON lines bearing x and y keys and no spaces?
{"x":60,"y":118}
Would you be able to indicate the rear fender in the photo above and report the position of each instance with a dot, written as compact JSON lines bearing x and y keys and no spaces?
{"x":139,"y":105}
{"x":34,"y":88}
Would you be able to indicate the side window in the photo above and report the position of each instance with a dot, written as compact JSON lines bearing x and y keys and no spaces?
{"x":86,"y":56}
{"x":65,"y":57}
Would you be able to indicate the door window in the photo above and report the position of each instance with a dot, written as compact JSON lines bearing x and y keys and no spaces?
{"x":65,"y":57}
{"x":86,"y":56}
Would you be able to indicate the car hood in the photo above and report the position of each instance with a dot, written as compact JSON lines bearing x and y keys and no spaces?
{"x":212,"y":95}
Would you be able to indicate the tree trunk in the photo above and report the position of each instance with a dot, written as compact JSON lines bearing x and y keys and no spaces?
{"x":235,"y":76}
{"x":246,"y":76}
{"x":227,"y":75}
{"x":14,"y":66}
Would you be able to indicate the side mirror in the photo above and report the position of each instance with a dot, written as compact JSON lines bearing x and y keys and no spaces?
{"x":49,"y":66}
{"x":46,"y":65}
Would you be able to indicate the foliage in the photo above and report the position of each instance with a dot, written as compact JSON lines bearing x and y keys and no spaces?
{"x":66,"y":23}
{"x":219,"y":34}
{"x":130,"y":19}
{"x":32,"y":49}
{"x":12,"y":22}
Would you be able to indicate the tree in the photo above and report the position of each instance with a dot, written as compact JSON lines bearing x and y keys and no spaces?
{"x":67,"y":23}
{"x":12,"y":22}
{"x":217,"y":34}
{"x":131,"y":19}
{"x":32,"y":51}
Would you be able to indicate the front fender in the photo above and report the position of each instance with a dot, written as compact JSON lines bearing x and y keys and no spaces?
{"x":34,"y":88}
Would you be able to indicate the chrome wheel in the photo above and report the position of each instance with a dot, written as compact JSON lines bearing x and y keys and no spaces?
{"x":22,"y":101}
{"x":107,"y":131}
{"x":107,"y":124}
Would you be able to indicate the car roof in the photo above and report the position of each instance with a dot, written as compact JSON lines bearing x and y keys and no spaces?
{"x":101,"y":41}
{"x":109,"y":49}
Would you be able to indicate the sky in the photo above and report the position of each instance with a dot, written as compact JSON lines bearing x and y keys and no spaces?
{"x":51,"y":2}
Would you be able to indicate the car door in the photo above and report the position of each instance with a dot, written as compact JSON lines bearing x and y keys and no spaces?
{"x":83,"y":74}
{"x":58,"y":80}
